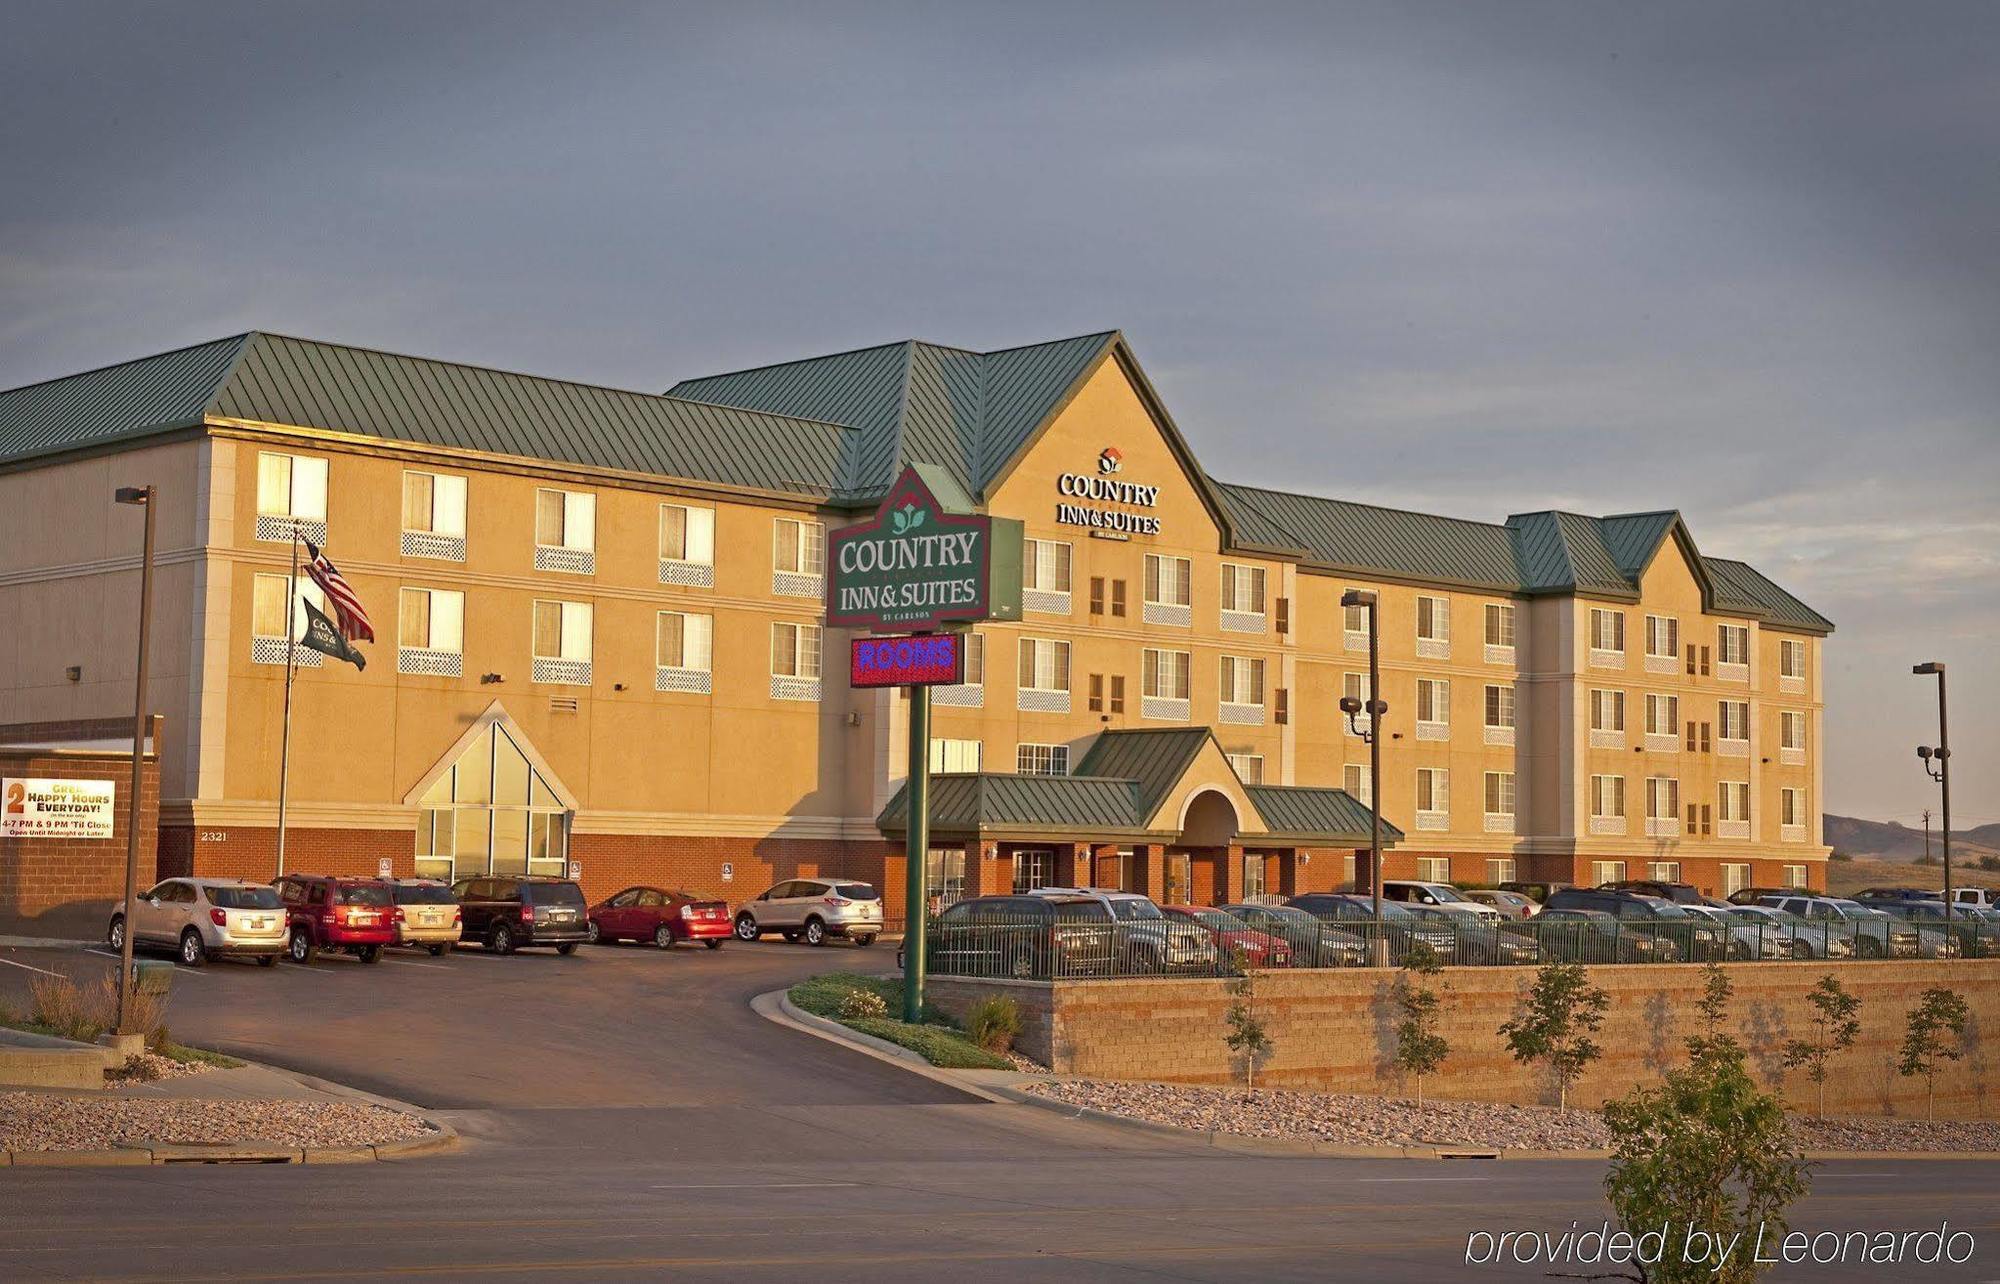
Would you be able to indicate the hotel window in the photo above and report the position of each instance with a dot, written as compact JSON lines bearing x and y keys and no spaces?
{"x":1434,"y":628}
{"x":1732,"y":721}
{"x":1242,"y":598}
{"x":687,"y":546}
{"x":1033,"y":867}
{"x":433,"y":516}
{"x":1433,"y":709}
{"x":1664,"y":871}
{"x":798,"y":557}
{"x":291,"y":494}
{"x":1663,"y":719}
{"x":1354,"y":686}
{"x":1795,"y":876}
{"x":1663,"y":638}
{"x":1663,"y":806}
{"x":1607,"y":714}
{"x":684,"y":647}
{"x":1607,"y":797}
{"x":1607,"y":638}
{"x":1044,"y":676}
{"x":960,"y":756}
{"x":1791,"y":659}
{"x":1357,"y":783}
{"x":975,"y":659}
{"x":1500,"y":794}
{"x":1045,"y":576}
{"x":944,"y":875}
{"x":1433,"y":798}
{"x":1167,"y":590}
{"x":1041,"y":760}
{"x":1253,"y":874}
{"x":1732,"y":644}
{"x":1354,"y":627}
{"x":1735,"y":877}
{"x":1792,"y":737}
{"x":795,"y":661}
{"x":1163,"y":688}
{"x":1733,"y":802}
{"x":267,"y":620}
{"x":1249,"y":767}
{"x":1243,"y":682}
{"x":1434,"y":869}
{"x":1118,"y":599}
{"x":1607,"y":871}
{"x":562,"y":643}
{"x":430,"y":632}
{"x":1499,"y":632}
{"x":1499,"y":715}
{"x":1501,"y":869}
{"x":566,"y":531}
{"x":1791,"y":814}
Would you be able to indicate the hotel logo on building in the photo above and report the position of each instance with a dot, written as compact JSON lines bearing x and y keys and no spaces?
{"x":1105,"y":488}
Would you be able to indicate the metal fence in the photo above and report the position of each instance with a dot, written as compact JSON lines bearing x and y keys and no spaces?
{"x":1044,"y":949}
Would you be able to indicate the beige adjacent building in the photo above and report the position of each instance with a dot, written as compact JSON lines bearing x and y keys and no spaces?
{"x":598,"y":640}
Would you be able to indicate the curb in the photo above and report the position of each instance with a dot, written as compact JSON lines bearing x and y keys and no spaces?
{"x":775,"y":1006}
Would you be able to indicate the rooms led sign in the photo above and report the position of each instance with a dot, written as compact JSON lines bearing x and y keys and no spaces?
{"x":935,"y":659}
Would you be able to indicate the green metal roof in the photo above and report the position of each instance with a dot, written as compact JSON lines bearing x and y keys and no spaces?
{"x":270,"y":378}
{"x":978,"y":802}
{"x":1305,"y":811}
{"x":1156,"y":759}
{"x":1340,"y":535}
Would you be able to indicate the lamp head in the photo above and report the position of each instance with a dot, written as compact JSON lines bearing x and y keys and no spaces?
{"x":1350,"y":705}
{"x":1924,"y":752}
{"x":1357,"y":597}
{"x":1378,"y":707}
{"x":133,"y":494}
{"x":1928,"y":666}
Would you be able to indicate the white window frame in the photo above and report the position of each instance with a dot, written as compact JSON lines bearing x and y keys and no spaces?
{"x":1037,"y":758}
{"x":1245,"y":597}
{"x":1735,"y":876}
{"x":1499,"y":647}
{"x":798,"y":660}
{"x":1357,"y":782}
{"x":1434,"y":869}
{"x":1160,"y":696}
{"x":1435,"y":644}
{"x":1788,"y":666}
{"x":305,"y":484}
{"x":1502,"y":869}
{"x":1607,"y":705}
{"x":575,"y":639}
{"x":1501,"y":711}
{"x":442,"y":536}
{"x":1732,"y":801}
{"x":1053,"y":560}
{"x":1433,"y":788}
{"x":1663,"y":806}
{"x":805,"y":575}
{"x":692,"y":671}
{"x":1354,"y":685}
{"x":1240,"y":689}
{"x":441,"y":652}
{"x":1249,"y":767}
{"x":1434,"y":721}
{"x":693,"y":565}
{"x":957,"y":757}
{"x":1048,"y":661}
{"x":1791,"y":814}
{"x":1663,"y":630}
{"x":1354,"y":624}
{"x":1607,"y":805}
{"x":1607,"y":871}
{"x":1500,"y":788}
{"x":1723,"y":634}
{"x":1793,"y":730}
{"x":1663,"y":733}
{"x":266,"y":648}
{"x":1795,"y":877}
{"x":1664,"y":871}
{"x":579,"y":520}
{"x":1607,"y":638}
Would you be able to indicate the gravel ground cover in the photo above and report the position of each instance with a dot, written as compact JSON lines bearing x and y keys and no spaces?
{"x":45,"y":1121}
{"x":1390,"y":1121}
{"x":151,"y":1067}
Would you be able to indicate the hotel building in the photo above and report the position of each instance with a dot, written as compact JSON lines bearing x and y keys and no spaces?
{"x":599,"y":639}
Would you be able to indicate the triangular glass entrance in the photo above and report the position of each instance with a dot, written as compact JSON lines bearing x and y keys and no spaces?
{"x":491,"y":812}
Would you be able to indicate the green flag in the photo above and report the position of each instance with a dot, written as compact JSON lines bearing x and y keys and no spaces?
{"x":322,"y":636}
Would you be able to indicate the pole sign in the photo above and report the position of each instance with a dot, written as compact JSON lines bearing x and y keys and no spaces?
{"x":926,"y":660}
{"x":917,"y":566}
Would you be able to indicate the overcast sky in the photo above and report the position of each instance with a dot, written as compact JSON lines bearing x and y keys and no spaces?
{"x":1739,"y":259}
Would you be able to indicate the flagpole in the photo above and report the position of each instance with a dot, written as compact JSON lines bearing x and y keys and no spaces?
{"x":291,"y":653}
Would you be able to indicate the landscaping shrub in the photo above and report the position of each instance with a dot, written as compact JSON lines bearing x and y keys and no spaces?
{"x":862,"y":1005}
{"x":70,"y":1010}
{"x":938,"y":1046}
{"x":994,"y":1023}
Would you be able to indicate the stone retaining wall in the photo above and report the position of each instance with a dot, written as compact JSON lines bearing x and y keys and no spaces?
{"x":1335,"y":1030}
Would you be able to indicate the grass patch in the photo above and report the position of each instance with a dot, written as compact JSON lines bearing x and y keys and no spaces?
{"x":196,"y":1056}
{"x":936,"y":1040}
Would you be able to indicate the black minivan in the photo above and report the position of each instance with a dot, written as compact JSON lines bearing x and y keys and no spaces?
{"x":507,"y":911}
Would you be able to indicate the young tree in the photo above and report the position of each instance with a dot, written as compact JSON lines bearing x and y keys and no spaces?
{"x":1554,"y":1022}
{"x":1708,"y":1151}
{"x":1716,"y":991}
{"x":1247,"y":1036}
{"x":1936,"y":1035}
{"x":1420,"y":1049}
{"x":1836,"y":1025}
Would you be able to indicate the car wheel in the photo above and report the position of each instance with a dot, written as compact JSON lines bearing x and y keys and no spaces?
{"x":439,"y":949}
{"x":267,"y":960}
{"x":193,"y":953}
{"x":115,"y":937}
{"x":746,"y":928}
{"x":663,"y":937}
{"x":1739,"y":950}
{"x":596,"y":932}
{"x":713,"y":945}
{"x":815,"y":932}
{"x":369,"y":954}
{"x":302,"y":948}
{"x":501,"y":939}
{"x":1868,"y":948}
{"x":865,"y":940}
{"x":566,"y":949}
{"x":791,"y":938}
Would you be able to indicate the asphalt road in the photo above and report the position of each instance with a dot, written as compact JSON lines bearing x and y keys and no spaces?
{"x":628,"y":1117}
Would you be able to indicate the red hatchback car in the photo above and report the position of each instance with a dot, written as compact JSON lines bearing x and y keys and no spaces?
{"x":1230,"y":934}
{"x":357,"y":915}
{"x":662,"y":917}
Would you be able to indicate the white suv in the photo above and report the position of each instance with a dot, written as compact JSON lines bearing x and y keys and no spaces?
{"x":1438,"y":896}
{"x":1982,"y":897}
{"x":812,"y":909}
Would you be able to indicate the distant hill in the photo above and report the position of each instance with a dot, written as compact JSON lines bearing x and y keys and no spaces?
{"x":1890,"y":841}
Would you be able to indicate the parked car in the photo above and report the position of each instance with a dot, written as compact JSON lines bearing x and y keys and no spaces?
{"x":1510,"y":904}
{"x":1746,"y":940}
{"x":1440,"y":895}
{"x":1025,"y":937}
{"x":1482,"y":941}
{"x":1538,"y":892}
{"x":1692,"y":939}
{"x":1756,"y":895}
{"x":1882,"y":896}
{"x":1804,"y":940}
{"x":1354,"y":915}
{"x":1315,"y":941}
{"x":507,"y":911}
{"x":334,"y":912}
{"x":1149,"y":941}
{"x":204,"y":918}
{"x":1937,"y":937}
{"x":1678,"y":893}
{"x":813,"y":909}
{"x":1983,"y":897}
{"x":666,"y":918}
{"x":1231,"y":935}
{"x":1591,"y":936}
{"x":1874,"y":934}
{"x":427,"y":914}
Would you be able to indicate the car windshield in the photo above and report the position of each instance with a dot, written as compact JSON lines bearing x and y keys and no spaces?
{"x":1135,"y":909}
{"x":856,"y":891}
{"x":1443,"y":893}
{"x":552,"y":894}
{"x":424,"y":894}
{"x":361,"y":894}
{"x":244,"y":897}
{"x":1221,"y":922}
{"x":1080,"y":912}
{"x":1667,"y":909}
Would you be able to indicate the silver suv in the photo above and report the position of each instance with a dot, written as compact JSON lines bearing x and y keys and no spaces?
{"x":202,"y":918}
{"x":812,"y":909}
{"x":1151,"y":941}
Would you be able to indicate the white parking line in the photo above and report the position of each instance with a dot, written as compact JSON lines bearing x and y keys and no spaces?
{"x":413,"y":963}
{"x":1383,"y":1180}
{"x":758,"y":1185}
{"x":25,"y":968}
{"x":178,"y":971}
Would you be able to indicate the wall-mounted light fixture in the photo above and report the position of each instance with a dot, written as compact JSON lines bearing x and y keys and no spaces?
{"x":488,"y":679}
{"x":74,"y":673}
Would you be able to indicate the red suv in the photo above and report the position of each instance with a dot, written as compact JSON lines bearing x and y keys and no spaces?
{"x":357,"y":915}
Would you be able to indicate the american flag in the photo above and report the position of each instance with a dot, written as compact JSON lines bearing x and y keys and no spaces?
{"x":340,"y":595}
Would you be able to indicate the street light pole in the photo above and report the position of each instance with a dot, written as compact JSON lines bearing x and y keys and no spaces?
{"x":144,"y":497}
{"x":1375,"y":707}
{"x":1942,"y":757}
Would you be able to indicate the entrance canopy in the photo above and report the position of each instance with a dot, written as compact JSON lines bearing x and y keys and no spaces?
{"x":1174,"y":787}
